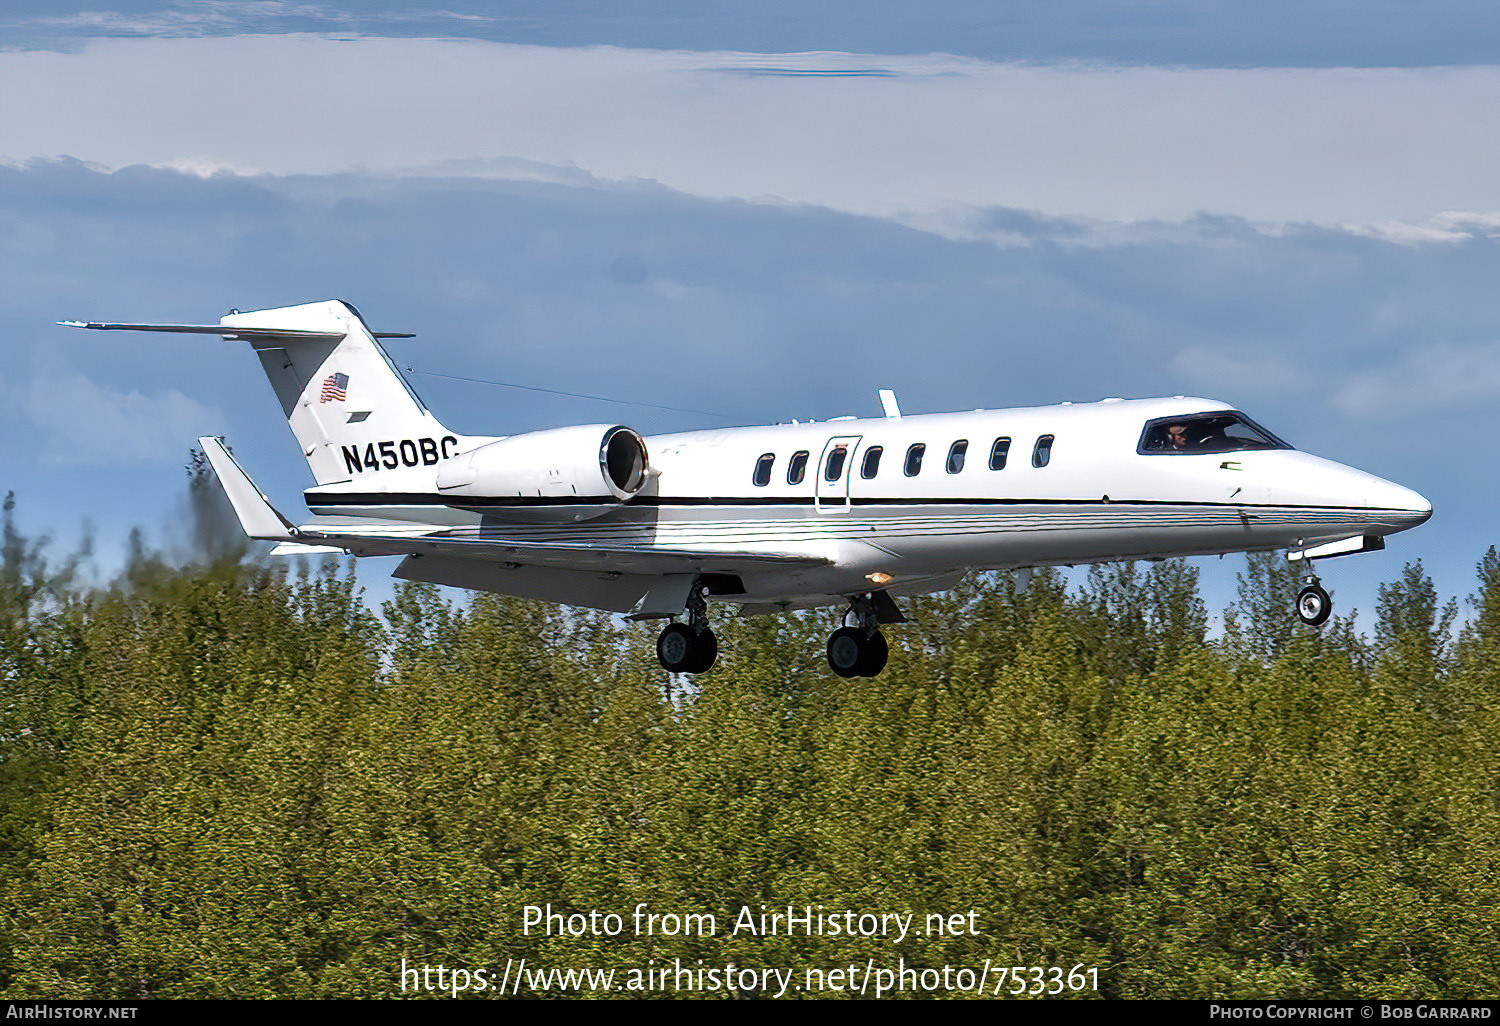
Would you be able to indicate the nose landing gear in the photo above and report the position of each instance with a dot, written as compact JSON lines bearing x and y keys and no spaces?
{"x":1313,"y":604}
{"x":689,"y":647}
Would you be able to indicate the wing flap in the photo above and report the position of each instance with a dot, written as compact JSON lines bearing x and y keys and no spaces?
{"x":299,"y":549}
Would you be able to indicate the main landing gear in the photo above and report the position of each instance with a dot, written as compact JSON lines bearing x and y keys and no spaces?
{"x":857,"y":650}
{"x":860,"y":650}
{"x":1313,"y":604}
{"x":689,"y":647}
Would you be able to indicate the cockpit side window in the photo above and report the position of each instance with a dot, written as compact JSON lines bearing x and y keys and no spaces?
{"x":1200,"y":433}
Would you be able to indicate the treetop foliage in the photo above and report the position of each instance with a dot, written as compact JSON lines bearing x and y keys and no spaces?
{"x":224,"y":779}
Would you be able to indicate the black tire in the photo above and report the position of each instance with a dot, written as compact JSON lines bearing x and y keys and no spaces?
{"x":873,"y":655}
{"x":677,"y":648}
{"x":846,"y":647}
{"x":1314,"y":606}
{"x":705,"y":650}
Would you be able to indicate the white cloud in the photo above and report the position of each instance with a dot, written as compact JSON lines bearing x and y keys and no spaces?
{"x":217,"y":17}
{"x":1410,"y":233}
{"x":80,"y":422}
{"x":1447,"y":226}
{"x":889,"y":136}
{"x":1427,"y":378}
{"x":1471,"y":223}
{"x":1209,"y":370}
{"x":514,"y":169}
{"x":204,"y":167}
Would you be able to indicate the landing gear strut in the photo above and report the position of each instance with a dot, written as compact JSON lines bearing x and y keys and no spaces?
{"x":860,"y":650}
{"x":1313,"y":604}
{"x":689,"y":647}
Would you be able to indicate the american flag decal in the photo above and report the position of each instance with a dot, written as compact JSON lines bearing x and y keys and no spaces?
{"x":334,"y":388}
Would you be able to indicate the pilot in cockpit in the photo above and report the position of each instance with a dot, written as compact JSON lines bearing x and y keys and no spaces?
{"x":1207,"y":433}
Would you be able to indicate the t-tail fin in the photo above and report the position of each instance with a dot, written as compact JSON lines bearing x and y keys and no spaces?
{"x":349,"y":407}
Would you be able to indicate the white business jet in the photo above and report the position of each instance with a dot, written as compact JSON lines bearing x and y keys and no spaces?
{"x":789,"y":516}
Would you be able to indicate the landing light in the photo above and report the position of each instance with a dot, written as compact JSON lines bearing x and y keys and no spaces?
{"x":878,"y":578}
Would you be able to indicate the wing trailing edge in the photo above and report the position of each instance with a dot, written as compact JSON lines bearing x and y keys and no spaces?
{"x":588,"y":557}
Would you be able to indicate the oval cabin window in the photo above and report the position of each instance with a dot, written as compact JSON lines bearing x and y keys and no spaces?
{"x":998,"y":453}
{"x":763,"y":469}
{"x":914,"y":459}
{"x":796,"y":467}
{"x":1042,"y":454}
{"x":956,"y":455}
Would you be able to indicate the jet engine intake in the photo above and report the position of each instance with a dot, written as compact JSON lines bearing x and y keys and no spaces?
{"x":513,"y":477}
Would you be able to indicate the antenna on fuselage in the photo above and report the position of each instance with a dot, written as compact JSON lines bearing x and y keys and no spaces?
{"x":888,"y":404}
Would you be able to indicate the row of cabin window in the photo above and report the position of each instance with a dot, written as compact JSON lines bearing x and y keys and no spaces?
{"x":796,"y":468}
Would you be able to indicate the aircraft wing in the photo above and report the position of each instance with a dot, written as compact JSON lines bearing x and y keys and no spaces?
{"x":260,"y":520}
{"x":588,"y":556}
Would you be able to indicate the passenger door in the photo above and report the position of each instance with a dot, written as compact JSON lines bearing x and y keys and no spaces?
{"x":835,"y":469}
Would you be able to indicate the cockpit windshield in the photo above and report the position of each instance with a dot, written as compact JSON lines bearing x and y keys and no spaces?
{"x":1196,"y":433}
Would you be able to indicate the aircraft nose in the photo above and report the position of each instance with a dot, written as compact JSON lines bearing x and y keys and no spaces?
{"x":1388,"y":495}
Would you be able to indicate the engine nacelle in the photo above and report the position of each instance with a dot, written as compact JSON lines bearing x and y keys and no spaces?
{"x":588,"y":470}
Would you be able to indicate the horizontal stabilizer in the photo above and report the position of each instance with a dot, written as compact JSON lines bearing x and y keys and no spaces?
{"x":211,"y":329}
{"x":257,"y":517}
{"x":229,"y":332}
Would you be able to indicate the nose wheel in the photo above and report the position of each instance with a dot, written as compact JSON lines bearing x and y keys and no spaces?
{"x":1313,"y":604}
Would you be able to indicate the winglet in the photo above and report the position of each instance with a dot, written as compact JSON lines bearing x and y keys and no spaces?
{"x":257,"y":517}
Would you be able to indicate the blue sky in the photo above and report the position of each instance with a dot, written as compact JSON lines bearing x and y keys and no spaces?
{"x":762,"y":212}
{"x":1207,"y":33}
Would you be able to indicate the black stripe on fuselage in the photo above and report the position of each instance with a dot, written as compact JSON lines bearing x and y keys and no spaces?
{"x":375,"y":499}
